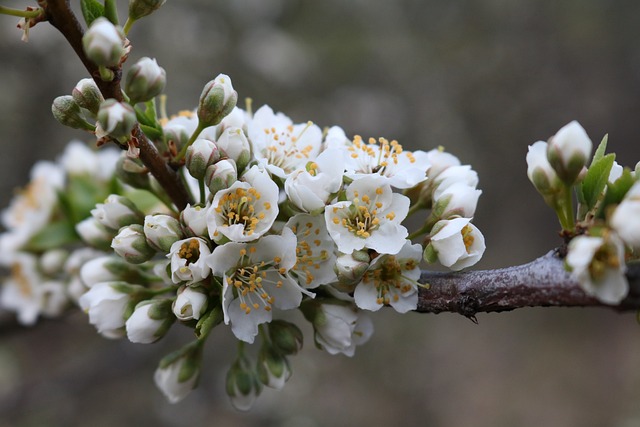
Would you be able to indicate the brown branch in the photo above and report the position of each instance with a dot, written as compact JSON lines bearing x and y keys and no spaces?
{"x":60,"y":15}
{"x":541,"y":283}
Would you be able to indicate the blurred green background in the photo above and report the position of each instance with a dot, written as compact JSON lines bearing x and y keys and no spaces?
{"x":484,"y":79}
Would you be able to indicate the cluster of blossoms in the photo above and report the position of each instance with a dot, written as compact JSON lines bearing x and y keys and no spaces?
{"x":604,"y":234}
{"x":283,"y":216}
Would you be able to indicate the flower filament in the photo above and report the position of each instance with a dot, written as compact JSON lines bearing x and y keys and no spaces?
{"x":241,"y":207}
{"x":389,"y":280}
{"x":283,"y":150}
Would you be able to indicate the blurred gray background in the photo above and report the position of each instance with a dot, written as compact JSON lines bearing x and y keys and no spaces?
{"x":484,"y":79}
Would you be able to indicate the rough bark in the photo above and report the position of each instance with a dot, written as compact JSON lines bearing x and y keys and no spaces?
{"x":541,"y":283}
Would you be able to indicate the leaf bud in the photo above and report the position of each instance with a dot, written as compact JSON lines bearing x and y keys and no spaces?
{"x":104,"y":43}
{"x":87,"y":95}
{"x":117,"y":119}
{"x":145,"y":80}
{"x":200,"y":155}
{"x":131,"y":244}
{"x":68,"y":112}
{"x":217,"y":100}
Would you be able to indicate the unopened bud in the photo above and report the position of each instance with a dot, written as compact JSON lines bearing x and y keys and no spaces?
{"x":568,"y":152}
{"x":150,"y":321}
{"x":162,"y":231}
{"x":191,"y":303}
{"x":145,"y":80}
{"x":68,"y":112}
{"x":242,"y":384}
{"x":200,"y":155}
{"x":235,"y":145}
{"x":194,"y":219}
{"x":109,"y":268}
{"x":132,"y":172}
{"x":87,"y":95}
{"x":116,"y":212}
{"x":104,"y":43}
{"x":131,"y":244}
{"x":178,"y":372}
{"x":221,"y":175}
{"x":273,"y":368}
{"x":141,"y":8}
{"x":116,"y":118}
{"x":216,"y":101}
{"x":94,"y":233}
{"x":350,"y":268}
{"x":286,"y":337}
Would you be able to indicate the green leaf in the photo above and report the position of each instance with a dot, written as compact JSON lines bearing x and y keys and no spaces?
{"x":151,"y":132}
{"x":617,"y":190}
{"x":52,"y":236}
{"x":91,"y":10}
{"x":111,"y":11}
{"x":600,"y":150}
{"x":596,"y":180}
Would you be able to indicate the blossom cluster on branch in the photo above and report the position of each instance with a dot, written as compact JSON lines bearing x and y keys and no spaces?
{"x":282,"y":216}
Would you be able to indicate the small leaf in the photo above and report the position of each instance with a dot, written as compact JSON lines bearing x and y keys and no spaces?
{"x":600,"y":150}
{"x":151,"y":132}
{"x":52,"y":236}
{"x":596,"y":180}
{"x":617,"y":190}
{"x":91,"y":10}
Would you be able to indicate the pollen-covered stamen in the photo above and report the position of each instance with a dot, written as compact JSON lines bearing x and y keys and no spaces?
{"x":605,"y":258}
{"x":282,"y":150}
{"x":241,"y":207}
{"x":377,"y":156}
{"x":362,"y":217}
{"x":467,"y":237}
{"x":24,"y":285}
{"x":190,"y":251}
{"x":249,"y":279}
{"x":389,"y":280}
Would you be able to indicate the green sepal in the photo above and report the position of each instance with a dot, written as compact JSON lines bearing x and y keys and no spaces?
{"x":91,"y":10}
{"x":430,"y":255}
{"x":53,"y":236}
{"x":161,"y":309}
{"x":285,"y":337}
{"x":210,"y":320}
{"x":595,"y":180}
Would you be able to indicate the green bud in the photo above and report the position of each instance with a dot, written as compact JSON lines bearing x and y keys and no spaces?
{"x":145,"y":80}
{"x":273,"y":368}
{"x":216,"y":101}
{"x":104,"y":43}
{"x":242,"y":384}
{"x":68,"y":112}
{"x":131,"y":244}
{"x":221,"y":175}
{"x":178,"y":372}
{"x":87,"y":95}
{"x":200,"y":155}
{"x":162,"y":231}
{"x":116,"y":118}
{"x":285,"y":337}
{"x":116,"y":212}
{"x":141,"y":8}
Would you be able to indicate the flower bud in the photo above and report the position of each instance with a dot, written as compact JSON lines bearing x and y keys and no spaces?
{"x":221,"y":175}
{"x":116,"y":212}
{"x":87,"y":95}
{"x":539,"y":170}
{"x":350,"y":268}
{"x":68,"y":112}
{"x":162,"y":231}
{"x":132,"y":172}
{"x":178,"y":372}
{"x":141,"y":8}
{"x":216,"y":101}
{"x":285,"y":337}
{"x":189,"y":260}
{"x":116,"y":119}
{"x":625,"y":219}
{"x":94,"y":233}
{"x":568,"y":151}
{"x":200,"y":155}
{"x":145,"y":80}
{"x":52,"y":261}
{"x":242,"y":384}
{"x":104,"y":43}
{"x":455,"y":243}
{"x":109,"y":268}
{"x":458,"y":199}
{"x":194,"y":219}
{"x":273,"y":368}
{"x":235,"y":145}
{"x":150,"y":321}
{"x":191,"y":303}
{"x":131,"y":244}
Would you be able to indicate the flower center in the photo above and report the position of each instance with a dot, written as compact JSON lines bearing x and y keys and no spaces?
{"x":308,"y":261}
{"x":377,"y":156}
{"x":467,"y":237}
{"x":388,"y":279}
{"x":239,"y":207}
{"x":361,"y":218}
{"x":190,"y":251}
{"x":604,"y":258}
{"x":283,"y":150}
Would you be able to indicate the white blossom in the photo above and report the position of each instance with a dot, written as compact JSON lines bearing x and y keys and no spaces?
{"x":194,"y":219}
{"x":191,"y":303}
{"x":371,"y":217}
{"x":597,"y":263}
{"x":457,"y":199}
{"x":189,"y":260}
{"x":106,"y":306}
{"x":625,"y":219}
{"x":458,"y":243}
{"x":391,"y":280}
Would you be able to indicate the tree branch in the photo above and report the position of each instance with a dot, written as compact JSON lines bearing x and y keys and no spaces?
{"x":541,"y":283}
{"x":60,"y":15}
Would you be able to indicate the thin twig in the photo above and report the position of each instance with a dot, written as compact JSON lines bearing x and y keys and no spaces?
{"x":60,"y":15}
{"x":541,"y":283}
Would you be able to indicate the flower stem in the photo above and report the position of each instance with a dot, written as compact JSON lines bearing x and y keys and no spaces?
{"x":194,"y":136}
{"x":127,"y":25}
{"x":20,"y":13}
